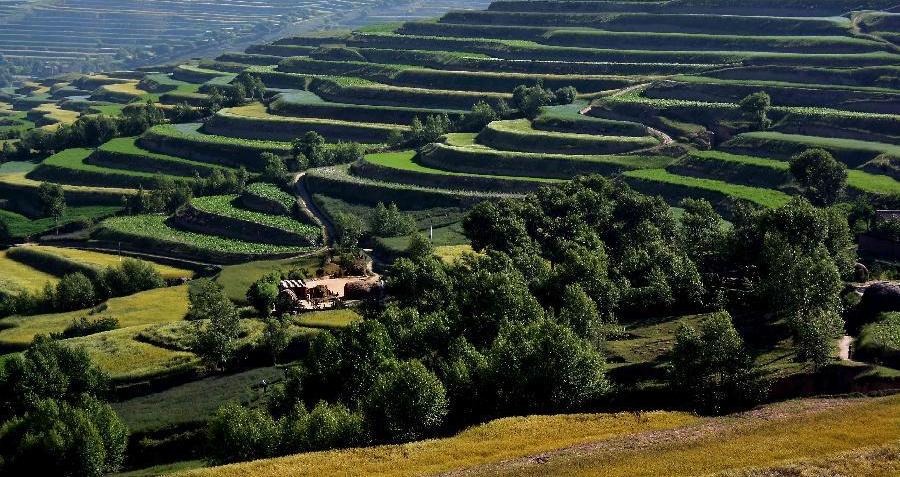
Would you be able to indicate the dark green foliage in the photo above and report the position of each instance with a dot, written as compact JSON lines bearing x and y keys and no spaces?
{"x":75,"y":291}
{"x":530,"y":99}
{"x":275,"y":338}
{"x":420,"y":134}
{"x":544,"y":366}
{"x":388,"y":221}
{"x":52,"y":199}
{"x":215,"y":340}
{"x":407,"y":402}
{"x":327,"y":426}
{"x":349,"y":229}
{"x":274,"y":170}
{"x":263,"y":293}
{"x":48,"y":370}
{"x":254,"y":89}
{"x":57,"y":438}
{"x":238,"y":433}
{"x":712,"y":370}
{"x":756,"y":107}
{"x":129,"y":277}
{"x":481,"y":115}
{"x":823,"y":178}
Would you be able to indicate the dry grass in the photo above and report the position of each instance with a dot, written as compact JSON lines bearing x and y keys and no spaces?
{"x":498,"y":440}
{"x":103,"y":260}
{"x":53,"y":113}
{"x":880,"y":461}
{"x":739,"y":443}
{"x":15,"y":276}
{"x":161,"y":305}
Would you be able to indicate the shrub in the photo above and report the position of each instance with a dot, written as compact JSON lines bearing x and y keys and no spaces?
{"x":756,"y":107}
{"x":823,"y":178}
{"x":130,"y":277}
{"x":75,"y":291}
{"x":711,"y":369}
{"x":84,"y":326}
{"x":236,"y":433}
{"x":407,"y":402}
{"x":263,"y":293}
{"x":327,"y":426}
{"x":388,"y":221}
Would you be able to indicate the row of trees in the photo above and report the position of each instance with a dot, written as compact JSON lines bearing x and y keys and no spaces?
{"x":77,"y":291}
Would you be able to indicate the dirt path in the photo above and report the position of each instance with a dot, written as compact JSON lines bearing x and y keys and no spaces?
{"x":844,"y":347}
{"x":662,"y":438}
{"x":305,"y":201}
{"x":663,"y":138}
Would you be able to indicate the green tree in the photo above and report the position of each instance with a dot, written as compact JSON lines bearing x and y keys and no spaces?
{"x":215,"y":338}
{"x":48,"y":369}
{"x":131,"y":276}
{"x":530,"y":99}
{"x":711,"y":368}
{"x":756,"y":107}
{"x":816,"y":333}
{"x":53,"y":200}
{"x":253,"y":86}
{"x":237,"y":433}
{"x":263,"y":293}
{"x":480,"y":116}
{"x":407,"y":402}
{"x":823,"y":178}
{"x":579,"y":313}
{"x":388,"y":221}
{"x":207,"y":299}
{"x":327,"y":426}
{"x":276,"y":336}
{"x":57,"y":438}
{"x":75,"y":291}
{"x":542,"y":367}
{"x":274,"y":170}
{"x":312,"y":146}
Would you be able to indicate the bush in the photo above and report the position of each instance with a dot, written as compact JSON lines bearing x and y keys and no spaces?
{"x":263,"y":293}
{"x":388,"y":221}
{"x":236,"y":433}
{"x":711,"y":369}
{"x":75,"y":291}
{"x":57,"y":438}
{"x":130,"y":277}
{"x":824,"y":179}
{"x":407,"y":402}
{"x":84,"y":326}
{"x":327,"y":426}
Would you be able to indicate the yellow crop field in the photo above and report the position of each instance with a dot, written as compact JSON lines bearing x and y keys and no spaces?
{"x":102,"y":260}
{"x":492,"y":442}
{"x":161,"y":305}
{"x":15,"y":276}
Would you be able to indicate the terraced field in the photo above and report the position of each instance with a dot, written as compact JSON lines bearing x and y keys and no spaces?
{"x":69,"y":35}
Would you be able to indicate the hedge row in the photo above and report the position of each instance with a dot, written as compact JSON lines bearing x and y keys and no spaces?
{"x":734,"y":169}
{"x":203,"y":218}
{"x":292,"y":105}
{"x":124,"y":153}
{"x":195,"y":74}
{"x":439,"y":180}
{"x":702,"y":42}
{"x":153,"y":233}
{"x":267,"y":198}
{"x":249,"y":59}
{"x":384,"y":95}
{"x":674,"y":188}
{"x":783,"y":95}
{"x":875,"y":76}
{"x":443,"y":61}
{"x":518,"y":135}
{"x":747,"y":7}
{"x":448,"y":80}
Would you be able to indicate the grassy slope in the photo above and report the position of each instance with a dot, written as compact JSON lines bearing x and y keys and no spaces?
{"x":161,"y":305}
{"x":497,"y":440}
{"x":15,"y":276}
{"x":731,"y":442}
{"x":103,"y":260}
{"x":236,"y":279}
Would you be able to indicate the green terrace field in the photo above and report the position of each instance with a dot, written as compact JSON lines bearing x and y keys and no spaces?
{"x":58,"y":260}
{"x":72,"y":167}
{"x":126,"y":153}
{"x":187,"y":142}
{"x":225,"y":214}
{"x":17,"y":276}
{"x":153,"y":233}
